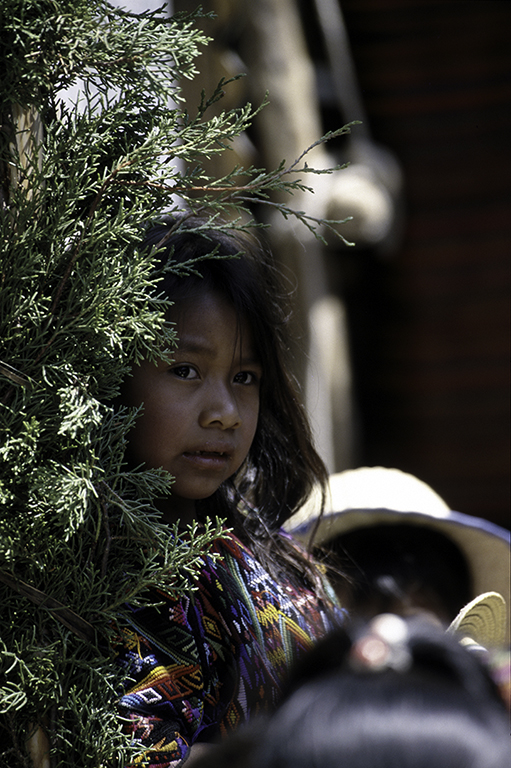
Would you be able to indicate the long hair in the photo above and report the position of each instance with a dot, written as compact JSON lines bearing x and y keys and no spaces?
{"x":282,"y":465}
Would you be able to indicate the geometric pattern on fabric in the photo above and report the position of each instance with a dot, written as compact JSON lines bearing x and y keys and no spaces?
{"x":203,"y":663}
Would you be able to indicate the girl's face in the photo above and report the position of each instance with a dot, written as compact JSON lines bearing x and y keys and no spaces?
{"x":200,"y":412}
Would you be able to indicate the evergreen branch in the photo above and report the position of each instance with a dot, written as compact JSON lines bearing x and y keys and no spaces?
{"x":75,"y":313}
{"x":23,"y":759}
{"x":62,"y":613}
{"x":14,"y":375}
{"x":108,"y":181}
{"x":108,"y":536}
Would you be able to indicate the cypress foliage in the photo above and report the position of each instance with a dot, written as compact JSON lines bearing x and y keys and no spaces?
{"x":79,"y":536}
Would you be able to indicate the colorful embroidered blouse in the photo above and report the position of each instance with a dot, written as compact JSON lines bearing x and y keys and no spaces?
{"x":205,"y":662}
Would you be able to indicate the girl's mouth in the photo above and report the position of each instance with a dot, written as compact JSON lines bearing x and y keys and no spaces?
{"x":211,"y":454}
{"x":208,"y":460}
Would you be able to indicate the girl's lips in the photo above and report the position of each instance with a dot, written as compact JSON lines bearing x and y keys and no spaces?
{"x":206,"y":453}
{"x":208,"y":459}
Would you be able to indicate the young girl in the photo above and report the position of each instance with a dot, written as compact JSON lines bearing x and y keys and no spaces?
{"x":224,"y":419}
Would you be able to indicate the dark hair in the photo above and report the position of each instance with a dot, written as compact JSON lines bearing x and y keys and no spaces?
{"x":282,"y":465}
{"x":401,"y":565}
{"x":442,"y":710}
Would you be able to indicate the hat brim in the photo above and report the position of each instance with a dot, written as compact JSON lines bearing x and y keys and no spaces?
{"x":369,"y":496}
{"x":486,"y":546}
{"x":482,"y":621}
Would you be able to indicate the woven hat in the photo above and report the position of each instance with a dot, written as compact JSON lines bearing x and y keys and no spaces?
{"x":482,"y":621}
{"x":377,"y":496}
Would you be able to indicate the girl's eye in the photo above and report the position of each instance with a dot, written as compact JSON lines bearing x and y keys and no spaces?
{"x":246,"y":377}
{"x":184,"y":372}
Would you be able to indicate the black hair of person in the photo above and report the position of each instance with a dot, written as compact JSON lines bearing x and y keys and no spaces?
{"x":442,"y":709}
{"x":282,"y":466}
{"x":444,"y":712}
{"x":390,"y":565}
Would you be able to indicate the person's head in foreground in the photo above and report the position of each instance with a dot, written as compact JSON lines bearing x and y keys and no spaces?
{"x":397,"y":693}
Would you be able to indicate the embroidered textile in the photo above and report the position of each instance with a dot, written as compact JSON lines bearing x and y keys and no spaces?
{"x":205,"y":662}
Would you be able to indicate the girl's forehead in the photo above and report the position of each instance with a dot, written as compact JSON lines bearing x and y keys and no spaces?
{"x":210,"y":315}
{"x":200,"y":305}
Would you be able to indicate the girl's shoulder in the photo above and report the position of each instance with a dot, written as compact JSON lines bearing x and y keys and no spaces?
{"x":231,"y":543}
{"x":237,"y":564}
{"x":235,"y":556}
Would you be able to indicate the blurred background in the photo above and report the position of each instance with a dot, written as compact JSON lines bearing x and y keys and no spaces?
{"x":436,"y":82}
{"x":402,"y":339}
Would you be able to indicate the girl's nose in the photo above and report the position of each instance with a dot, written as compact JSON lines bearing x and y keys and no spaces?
{"x":220,"y":408}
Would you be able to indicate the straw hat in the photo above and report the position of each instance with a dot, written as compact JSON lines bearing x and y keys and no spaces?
{"x":482,"y":621}
{"x":376,"y":495}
